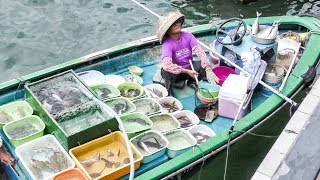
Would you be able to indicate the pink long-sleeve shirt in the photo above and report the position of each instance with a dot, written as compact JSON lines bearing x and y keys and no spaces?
{"x":176,"y":53}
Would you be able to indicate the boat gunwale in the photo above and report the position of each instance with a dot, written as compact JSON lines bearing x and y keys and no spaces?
{"x":308,"y":58}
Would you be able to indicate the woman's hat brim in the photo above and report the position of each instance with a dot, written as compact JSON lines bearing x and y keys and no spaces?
{"x":165,"y":22}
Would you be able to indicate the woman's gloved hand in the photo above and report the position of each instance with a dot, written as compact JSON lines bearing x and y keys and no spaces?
{"x":211,"y":77}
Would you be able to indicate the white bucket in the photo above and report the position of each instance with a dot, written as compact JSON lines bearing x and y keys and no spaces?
{"x":273,"y":76}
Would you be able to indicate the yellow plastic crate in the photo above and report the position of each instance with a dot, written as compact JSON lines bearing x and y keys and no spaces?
{"x":109,"y":149}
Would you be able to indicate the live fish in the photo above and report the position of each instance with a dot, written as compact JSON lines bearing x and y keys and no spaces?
{"x":143,"y":146}
{"x":90,"y":161}
{"x":109,"y":164}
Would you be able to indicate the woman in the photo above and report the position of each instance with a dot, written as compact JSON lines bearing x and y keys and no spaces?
{"x":4,"y":157}
{"x":177,"y":48}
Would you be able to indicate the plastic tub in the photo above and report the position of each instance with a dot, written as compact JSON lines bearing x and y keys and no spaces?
{"x":135,"y":123}
{"x":180,"y":141}
{"x":155,"y":143}
{"x":105,"y":91}
{"x":155,"y":91}
{"x":135,"y":70}
{"x":147,"y":106}
{"x":186,"y":118}
{"x":112,"y":148}
{"x":204,"y":100}
{"x":133,"y":78}
{"x":208,"y":93}
{"x":201,"y":133}
{"x":44,"y":150}
{"x":71,"y":174}
{"x":121,"y":105}
{"x":14,"y":111}
{"x":222,"y":72}
{"x":164,"y":122}
{"x":170,"y":104}
{"x":24,"y":130}
{"x":114,"y":80}
{"x":92,"y":77}
{"x":130,"y":90}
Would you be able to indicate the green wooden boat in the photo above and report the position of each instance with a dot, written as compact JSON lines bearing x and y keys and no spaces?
{"x":146,"y":53}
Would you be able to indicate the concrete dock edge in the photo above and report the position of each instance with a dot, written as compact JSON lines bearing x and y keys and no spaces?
{"x":295,"y":154}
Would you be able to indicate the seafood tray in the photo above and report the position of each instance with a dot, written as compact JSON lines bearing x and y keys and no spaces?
{"x":67,"y":107}
{"x":147,"y":106}
{"x":72,"y":174}
{"x":164,"y":122}
{"x":133,"y":78}
{"x":24,"y":130}
{"x":151,"y":144}
{"x":170,"y":104}
{"x":155,"y":91}
{"x":121,"y":105}
{"x":180,"y":141}
{"x":105,"y":91}
{"x":135,"y":123}
{"x":14,"y":111}
{"x":201,"y":133}
{"x":44,"y":157}
{"x":186,"y":118}
{"x":130,"y":90}
{"x":105,"y":157}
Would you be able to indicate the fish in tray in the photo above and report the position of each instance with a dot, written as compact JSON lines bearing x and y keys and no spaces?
{"x":155,"y":93}
{"x":148,"y":145}
{"x":130,"y":93}
{"x":184,"y":121}
{"x":170,"y":107}
{"x":121,"y":108}
{"x":5,"y":118}
{"x":55,"y":162}
{"x":92,"y":160}
{"x":107,"y":164}
{"x":201,"y":137}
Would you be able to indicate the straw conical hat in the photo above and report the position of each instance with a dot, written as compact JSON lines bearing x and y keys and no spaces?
{"x":165,"y":22}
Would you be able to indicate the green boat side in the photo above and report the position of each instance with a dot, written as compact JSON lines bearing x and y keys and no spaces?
{"x":308,"y":58}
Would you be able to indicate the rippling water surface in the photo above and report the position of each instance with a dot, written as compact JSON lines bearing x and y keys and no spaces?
{"x":36,"y":34}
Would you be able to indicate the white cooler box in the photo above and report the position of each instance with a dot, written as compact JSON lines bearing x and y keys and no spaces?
{"x":230,"y":96}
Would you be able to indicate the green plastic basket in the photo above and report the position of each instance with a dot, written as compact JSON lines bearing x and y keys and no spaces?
{"x":28,"y":122}
{"x":105,"y":91}
{"x":130,"y":86}
{"x":14,"y":111}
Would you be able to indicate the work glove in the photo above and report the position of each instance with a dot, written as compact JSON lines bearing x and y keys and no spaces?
{"x":211,"y":77}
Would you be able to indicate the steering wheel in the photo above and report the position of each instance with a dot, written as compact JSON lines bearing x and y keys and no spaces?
{"x":235,"y":35}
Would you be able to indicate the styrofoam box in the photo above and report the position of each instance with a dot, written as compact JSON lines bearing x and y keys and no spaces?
{"x":36,"y":150}
{"x":231,"y":95}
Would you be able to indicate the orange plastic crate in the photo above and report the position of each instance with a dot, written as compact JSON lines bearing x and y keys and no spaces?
{"x":71,"y":174}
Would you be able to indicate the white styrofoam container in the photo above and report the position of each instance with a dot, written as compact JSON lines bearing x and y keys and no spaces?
{"x":203,"y":129}
{"x":171,"y":100}
{"x":194,"y":119}
{"x":92,"y":77}
{"x":180,"y":141}
{"x":150,"y":88}
{"x":231,"y":94}
{"x":26,"y":152}
{"x":150,"y":157}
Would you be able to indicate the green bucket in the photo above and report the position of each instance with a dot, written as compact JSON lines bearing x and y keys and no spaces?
{"x":24,"y":130}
